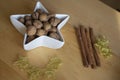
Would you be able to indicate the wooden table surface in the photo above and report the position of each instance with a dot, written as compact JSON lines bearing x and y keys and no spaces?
{"x":102,"y":18}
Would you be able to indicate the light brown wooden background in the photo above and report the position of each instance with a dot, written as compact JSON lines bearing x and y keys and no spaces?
{"x":92,"y":13}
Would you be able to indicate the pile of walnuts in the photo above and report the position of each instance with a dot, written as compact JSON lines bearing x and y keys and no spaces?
{"x":39,"y":24}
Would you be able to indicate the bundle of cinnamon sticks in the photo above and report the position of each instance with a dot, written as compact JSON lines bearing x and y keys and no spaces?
{"x":89,"y":52}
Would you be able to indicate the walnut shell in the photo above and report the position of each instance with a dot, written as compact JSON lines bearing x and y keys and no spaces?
{"x":28,"y":23}
{"x":43,"y":17}
{"x":27,"y":17}
{"x":30,"y":38}
{"x":47,"y":26}
{"x":31,"y":30}
{"x":21,"y":19}
{"x":39,"y":11}
{"x":51,"y":15}
{"x":54,"y":29}
{"x":54,"y":35}
{"x":54,"y":21}
{"x":41,"y":32}
{"x":57,"y":21}
{"x":35,"y":15}
{"x":38,"y":24}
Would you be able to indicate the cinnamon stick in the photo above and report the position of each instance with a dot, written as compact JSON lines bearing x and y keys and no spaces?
{"x":85,"y":42}
{"x":80,"y":41}
{"x":93,"y":63}
{"x":95,"y":51}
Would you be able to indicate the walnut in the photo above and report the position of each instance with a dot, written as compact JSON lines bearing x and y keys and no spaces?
{"x":51,"y":15}
{"x":54,"y":35}
{"x":21,"y":19}
{"x":27,"y":17}
{"x":39,"y":11}
{"x":43,"y":17}
{"x":47,"y":26}
{"x":31,"y":30}
{"x":30,"y":38}
{"x":41,"y":32}
{"x":54,"y":29}
{"x":54,"y":21}
{"x":35,"y":15}
{"x":28,"y":23}
{"x":38,"y":24}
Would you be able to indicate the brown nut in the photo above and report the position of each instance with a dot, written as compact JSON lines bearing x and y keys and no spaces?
{"x":39,"y":11}
{"x":47,"y":26}
{"x":54,"y":35}
{"x":30,"y":38}
{"x":57,"y":21}
{"x":41,"y":32}
{"x":31,"y":30}
{"x":43,"y":17}
{"x":54,"y":29}
{"x":35,"y":15}
{"x":27,"y":17}
{"x":54,"y":21}
{"x":38,"y":24}
{"x":51,"y":15}
{"x":28,"y":23}
{"x":21,"y":19}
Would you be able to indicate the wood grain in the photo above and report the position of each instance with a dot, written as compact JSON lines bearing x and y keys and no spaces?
{"x":94,"y":13}
{"x":7,"y":73}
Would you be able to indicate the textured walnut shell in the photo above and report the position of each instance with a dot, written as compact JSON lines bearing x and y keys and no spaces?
{"x":31,"y":30}
{"x":30,"y":38}
{"x":47,"y":26}
{"x":54,"y":21}
{"x":38,"y":24}
{"x":21,"y":19}
{"x":41,"y":32}
{"x":39,"y":11}
{"x":54,"y":29}
{"x":57,"y":21}
{"x":43,"y":17}
{"x":51,"y":15}
{"x":54,"y":35}
{"x":28,"y":23}
{"x":35,"y":15}
{"x":27,"y":18}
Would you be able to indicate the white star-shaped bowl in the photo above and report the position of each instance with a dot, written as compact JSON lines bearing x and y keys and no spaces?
{"x":45,"y":41}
